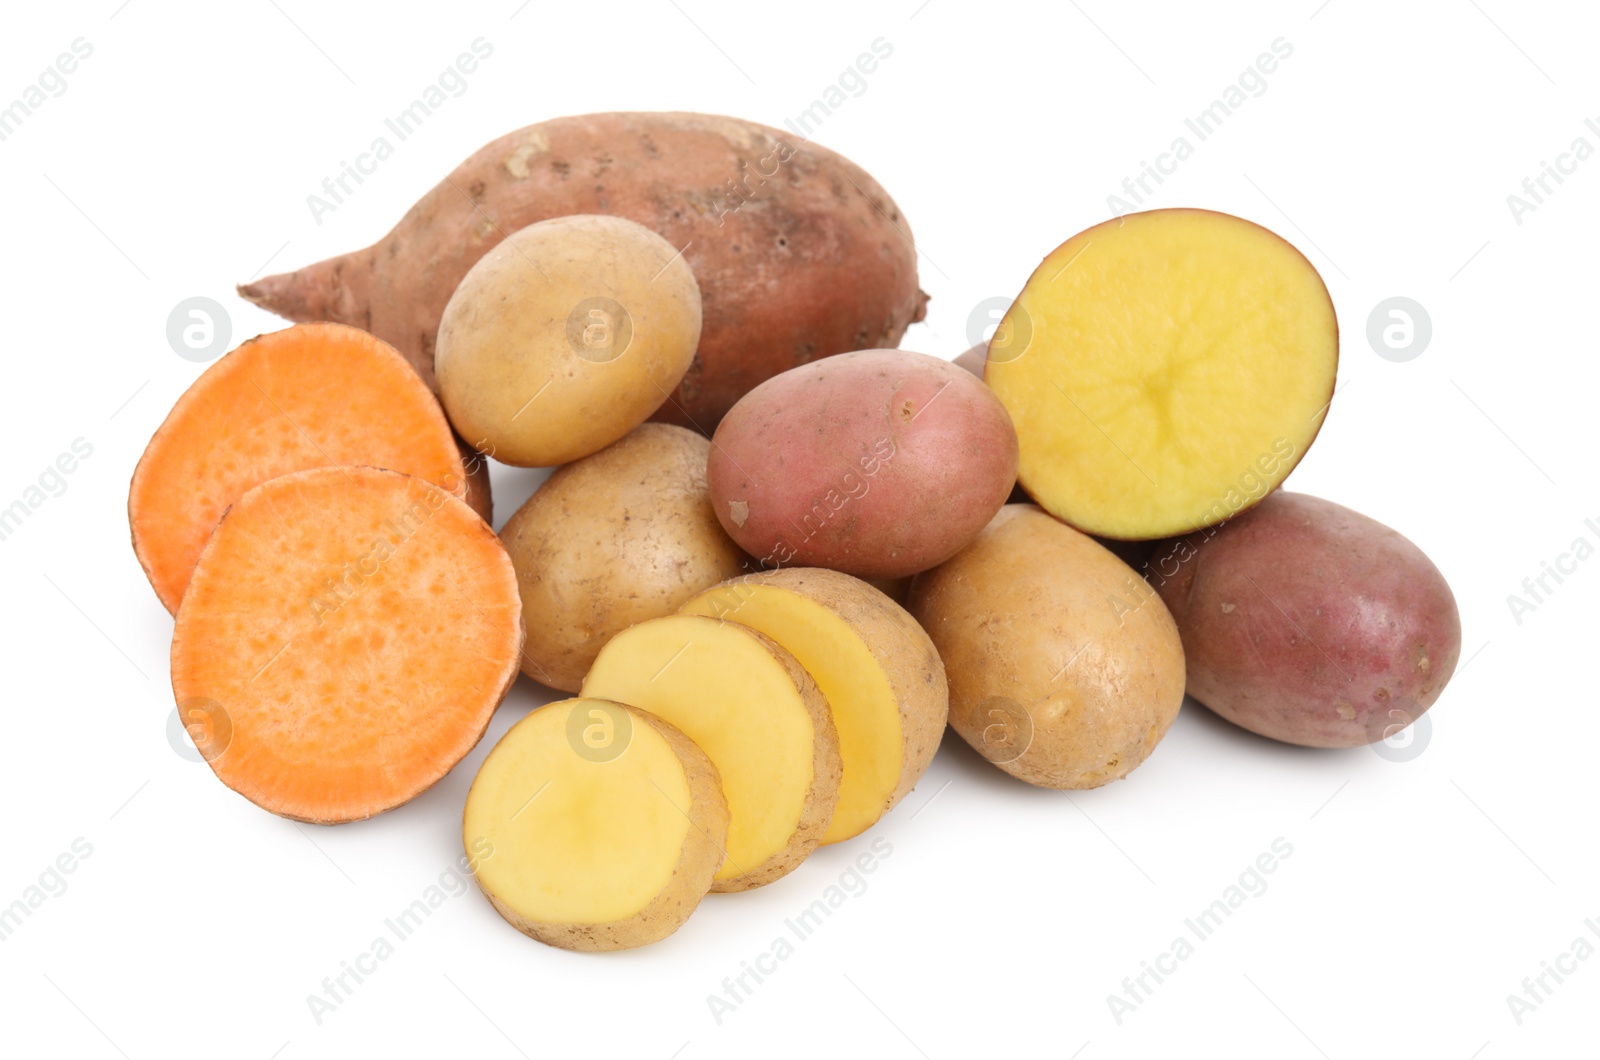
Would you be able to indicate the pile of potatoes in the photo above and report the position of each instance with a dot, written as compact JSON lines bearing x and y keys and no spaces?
{"x":778,"y":554}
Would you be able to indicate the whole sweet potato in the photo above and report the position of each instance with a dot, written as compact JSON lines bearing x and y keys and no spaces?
{"x":798,"y":252}
{"x":1310,"y":623}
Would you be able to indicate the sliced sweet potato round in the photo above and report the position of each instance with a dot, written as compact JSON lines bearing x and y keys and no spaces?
{"x":314,"y":395}
{"x":350,"y":630}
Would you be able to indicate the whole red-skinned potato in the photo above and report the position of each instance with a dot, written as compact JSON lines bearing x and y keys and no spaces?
{"x":1309,"y":623}
{"x":878,"y":463}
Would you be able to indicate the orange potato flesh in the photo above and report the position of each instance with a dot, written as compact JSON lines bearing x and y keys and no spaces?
{"x":314,"y":395}
{"x":348,"y":632}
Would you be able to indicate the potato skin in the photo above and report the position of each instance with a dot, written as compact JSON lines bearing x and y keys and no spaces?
{"x":564,"y":338}
{"x":878,"y":463}
{"x":902,"y":648}
{"x":972,"y":360}
{"x":1309,"y":623}
{"x":894,"y":588}
{"x":1065,"y":669}
{"x":827,"y":771}
{"x":613,"y":539}
{"x":799,"y":253}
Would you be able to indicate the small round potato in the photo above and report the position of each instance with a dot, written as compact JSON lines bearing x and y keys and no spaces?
{"x":1065,"y":668}
{"x":1310,"y":623}
{"x":620,"y":536}
{"x":565,"y":337}
{"x":878,"y":463}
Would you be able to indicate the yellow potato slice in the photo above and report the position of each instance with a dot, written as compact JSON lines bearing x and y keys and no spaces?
{"x":595,"y":826}
{"x":757,"y":715}
{"x":879,"y":672}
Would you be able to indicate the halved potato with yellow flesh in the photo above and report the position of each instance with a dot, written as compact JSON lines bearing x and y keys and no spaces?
{"x":595,"y":826}
{"x":877,"y":669}
{"x":1164,"y":371}
{"x":757,"y":715}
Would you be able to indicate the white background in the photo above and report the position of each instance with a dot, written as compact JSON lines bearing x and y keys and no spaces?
{"x":1419,"y":893}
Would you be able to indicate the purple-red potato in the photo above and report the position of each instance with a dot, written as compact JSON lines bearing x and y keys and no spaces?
{"x":1065,"y":669}
{"x":1310,"y":623}
{"x":878,"y":463}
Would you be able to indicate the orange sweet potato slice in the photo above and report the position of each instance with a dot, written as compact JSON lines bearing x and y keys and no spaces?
{"x":314,"y":395}
{"x":348,"y":633}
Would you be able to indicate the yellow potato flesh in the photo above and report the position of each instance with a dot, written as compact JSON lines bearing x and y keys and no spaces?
{"x":729,"y":694}
{"x":858,"y":692}
{"x":1164,"y":371}
{"x":574,"y":839}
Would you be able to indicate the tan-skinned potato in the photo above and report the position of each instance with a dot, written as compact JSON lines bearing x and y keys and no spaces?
{"x":800,"y":254}
{"x":1065,"y":668}
{"x":1310,"y":623}
{"x":613,"y":539}
{"x":565,"y":337}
